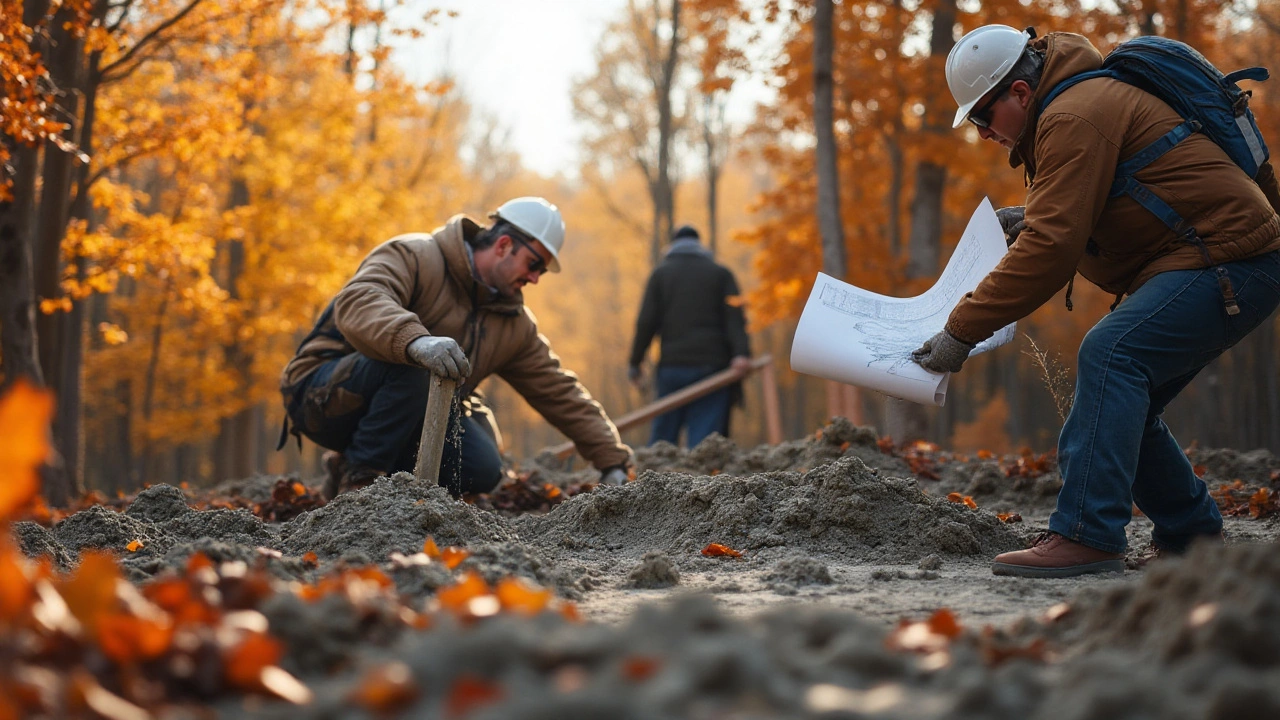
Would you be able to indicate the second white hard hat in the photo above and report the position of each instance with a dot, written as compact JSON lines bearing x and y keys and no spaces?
{"x":538,"y":219}
{"x":980,"y":61}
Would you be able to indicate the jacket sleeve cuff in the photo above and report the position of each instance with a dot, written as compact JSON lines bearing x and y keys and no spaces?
{"x":400,"y":341}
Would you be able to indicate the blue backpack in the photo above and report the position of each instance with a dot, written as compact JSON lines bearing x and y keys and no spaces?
{"x":1208,"y":102}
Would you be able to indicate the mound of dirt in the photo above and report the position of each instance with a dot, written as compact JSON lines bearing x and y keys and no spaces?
{"x":718,"y":455}
{"x":799,"y":571}
{"x":36,"y":541}
{"x":395,"y":514}
{"x":842,"y":509}
{"x":1218,"y":601}
{"x":159,"y":503}
{"x":1225,"y":465}
{"x":100,"y":528}
{"x":656,"y":570}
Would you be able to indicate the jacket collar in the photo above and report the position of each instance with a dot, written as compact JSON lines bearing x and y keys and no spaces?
{"x":1066,"y":54}
{"x":452,"y":240}
{"x":687,"y":246}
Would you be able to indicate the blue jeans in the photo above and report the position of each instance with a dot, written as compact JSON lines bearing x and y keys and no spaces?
{"x":1114,"y":450}
{"x":707,"y":414}
{"x":372,"y":412}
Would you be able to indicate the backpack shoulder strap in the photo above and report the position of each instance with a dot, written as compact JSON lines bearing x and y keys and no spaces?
{"x":1257,"y":74}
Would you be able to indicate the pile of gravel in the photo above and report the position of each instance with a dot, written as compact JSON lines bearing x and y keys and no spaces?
{"x":843,"y":509}
{"x":395,"y":514}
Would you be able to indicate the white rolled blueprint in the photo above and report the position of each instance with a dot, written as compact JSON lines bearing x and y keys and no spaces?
{"x":863,"y":338}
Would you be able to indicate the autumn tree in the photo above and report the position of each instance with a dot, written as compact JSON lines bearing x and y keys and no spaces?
{"x":628,"y":104}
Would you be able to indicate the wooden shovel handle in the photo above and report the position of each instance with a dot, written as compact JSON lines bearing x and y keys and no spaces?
{"x":434,"y":426}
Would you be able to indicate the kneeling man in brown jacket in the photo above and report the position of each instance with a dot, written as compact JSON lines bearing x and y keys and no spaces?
{"x":450,"y":303}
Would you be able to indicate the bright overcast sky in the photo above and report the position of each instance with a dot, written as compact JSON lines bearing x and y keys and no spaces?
{"x":517,"y":59}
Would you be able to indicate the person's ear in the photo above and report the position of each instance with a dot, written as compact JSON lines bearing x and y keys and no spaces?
{"x":504,"y":246}
{"x":1023,"y":91}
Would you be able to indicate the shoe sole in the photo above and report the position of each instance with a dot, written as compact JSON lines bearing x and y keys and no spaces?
{"x":1027,"y":571}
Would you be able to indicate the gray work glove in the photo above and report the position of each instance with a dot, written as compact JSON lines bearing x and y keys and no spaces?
{"x":616,"y":475}
{"x":441,"y":355}
{"x":1011,"y":222}
{"x":942,"y":353}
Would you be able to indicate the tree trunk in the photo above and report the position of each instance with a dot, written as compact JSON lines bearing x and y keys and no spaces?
{"x":713,"y":138}
{"x":58,"y":339}
{"x":235,"y":451}
{"x":893,"y":197}
{"x":834,"y":262}
{"x":19,"y":348}
{"x":910,"y":421}
{"x":663,"y":193}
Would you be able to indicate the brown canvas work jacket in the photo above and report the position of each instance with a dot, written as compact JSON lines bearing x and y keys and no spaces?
{"x":1070,"y":154}
{"x":422,"y":284}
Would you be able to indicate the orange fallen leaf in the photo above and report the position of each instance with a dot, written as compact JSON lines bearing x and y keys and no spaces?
{"x":430,"y":549}
{"x":955,"y":497}
{"x":25,"y":412}
{"x":456,"y":596}
{"x":569,"y":611}
{"x":243,"y":664}
{"x":311,"y":559}
{"x":718,"y":550}
{"x":386,"y":688}
{"x":452,"y":556}
{"x":944,"y":622}
{"x":985,"y":454}
{"x":970,"y":503}
{"x":91,"y":591}
{"x":469,"y":693}
{"x":1199,"y":470}
{"x":134,"y":545}
{"x":128,"y":639}
{"x":16,"y":590}
{"x":522,"y":597}
{"x":639,"y":668}
{"x":1009,"y":517}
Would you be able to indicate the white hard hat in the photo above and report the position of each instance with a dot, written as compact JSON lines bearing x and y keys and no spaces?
{"x":979,"y":61}
{"x":538,"y":219}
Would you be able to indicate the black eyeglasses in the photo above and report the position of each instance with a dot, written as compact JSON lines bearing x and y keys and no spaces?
{"x":982,"y":116}
{"x":537,"y":264}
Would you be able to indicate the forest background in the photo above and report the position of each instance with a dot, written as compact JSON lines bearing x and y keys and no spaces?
{"x":188,"y":182}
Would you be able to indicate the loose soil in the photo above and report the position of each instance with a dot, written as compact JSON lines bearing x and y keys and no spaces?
{"x":839,"y":539}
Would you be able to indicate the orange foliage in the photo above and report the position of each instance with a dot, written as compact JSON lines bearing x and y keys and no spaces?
{"x":521,"y":597}
{"x":639,"y":668}
{"x":470,"y":693}
{"x":718,"y":550}
{"x":25,"y":413}
{"x":386,"y":688}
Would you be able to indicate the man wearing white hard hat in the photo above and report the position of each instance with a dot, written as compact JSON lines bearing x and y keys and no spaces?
{"x":1182,"y":298}
{"x":450,"y":303}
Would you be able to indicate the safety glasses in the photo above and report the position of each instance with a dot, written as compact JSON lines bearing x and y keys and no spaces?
{"x":982,"y":116}
{"x":537,"y":264}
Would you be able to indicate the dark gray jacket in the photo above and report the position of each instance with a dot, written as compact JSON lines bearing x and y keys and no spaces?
{"x":692,"y":303}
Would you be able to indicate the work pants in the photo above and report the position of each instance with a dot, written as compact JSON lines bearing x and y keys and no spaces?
{"x":1115,"y":451}
{"x":372,"y":412}
{"x":708,"y":414}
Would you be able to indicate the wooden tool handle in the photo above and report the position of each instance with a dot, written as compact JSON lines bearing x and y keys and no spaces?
{"x":434,"y":426}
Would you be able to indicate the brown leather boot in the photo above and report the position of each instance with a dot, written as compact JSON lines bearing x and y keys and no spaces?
{"x":335,"y":464}
{"x":1054,"y":556}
